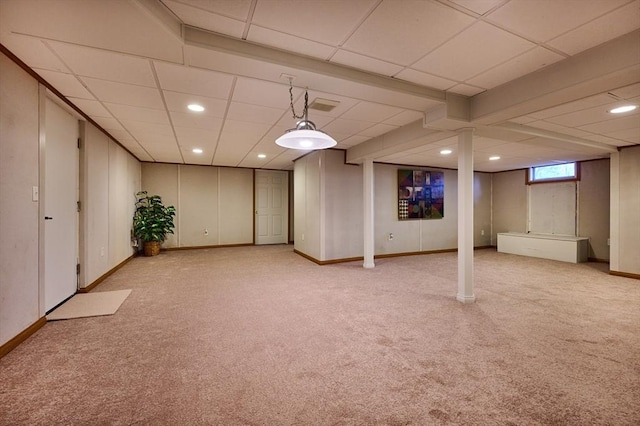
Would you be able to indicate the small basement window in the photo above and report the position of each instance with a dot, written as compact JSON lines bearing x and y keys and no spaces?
{"x":554,"y":173}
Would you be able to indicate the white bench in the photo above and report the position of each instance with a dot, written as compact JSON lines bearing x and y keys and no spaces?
{"x":556,"y":247}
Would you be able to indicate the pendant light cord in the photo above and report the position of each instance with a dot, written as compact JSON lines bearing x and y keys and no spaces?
{"x":306,"y":100}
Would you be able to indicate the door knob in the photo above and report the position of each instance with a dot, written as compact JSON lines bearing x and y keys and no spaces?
{"x":48,"y":218}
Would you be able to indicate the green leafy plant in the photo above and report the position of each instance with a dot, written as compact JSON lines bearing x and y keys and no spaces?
{"x":152,"y":221}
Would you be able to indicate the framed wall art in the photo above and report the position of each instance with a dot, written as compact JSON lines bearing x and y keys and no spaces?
{"x":420,"y":194}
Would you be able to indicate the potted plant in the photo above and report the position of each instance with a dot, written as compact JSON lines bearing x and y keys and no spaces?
{"x":152,"y":221}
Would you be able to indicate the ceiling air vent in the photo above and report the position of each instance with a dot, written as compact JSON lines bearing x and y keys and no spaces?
{"x":325,"y":105}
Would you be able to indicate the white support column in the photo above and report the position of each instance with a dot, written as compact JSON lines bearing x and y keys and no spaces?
{"x":367,"y":186}
{"x":614,"y":209}
{"x":465,"y":216}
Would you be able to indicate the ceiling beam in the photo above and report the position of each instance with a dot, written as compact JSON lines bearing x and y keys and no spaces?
{"x":605,"y":67}
{"x":403,"y":138}
{"x":197,"y":37}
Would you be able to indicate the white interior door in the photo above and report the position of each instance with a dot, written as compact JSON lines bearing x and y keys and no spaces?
{"x":60,"y":205}
{"x":272,"y":207}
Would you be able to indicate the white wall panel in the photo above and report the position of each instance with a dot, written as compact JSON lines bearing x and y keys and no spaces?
{"x":509,"y":203}
{"x":344,"y":231}
{"x":19,"y":302}
{"x":94,"y":195}
{"x":593,"y":206}
{"x":162,"y":179}
{"x":629,"y":210}
{"x":236,"y":206}
{"x":198,"y":206}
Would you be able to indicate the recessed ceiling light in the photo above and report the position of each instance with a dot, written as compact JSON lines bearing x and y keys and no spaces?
{"x":197,"y":150}
{"x":446,"y":152}
{"x":262,"y":155}
{"x":494,"y":157}
{"x":625,"y":108}
{"x":195,"y":107}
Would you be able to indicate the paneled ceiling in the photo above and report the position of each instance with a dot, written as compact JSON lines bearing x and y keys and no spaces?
{"x":534,"y":78}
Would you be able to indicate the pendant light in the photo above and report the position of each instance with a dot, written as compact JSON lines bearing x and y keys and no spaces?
{"x":305,"y":135}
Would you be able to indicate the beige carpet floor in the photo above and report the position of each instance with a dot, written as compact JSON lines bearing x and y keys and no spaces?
{"x":261,"y":336}
{"x":93,"y":304}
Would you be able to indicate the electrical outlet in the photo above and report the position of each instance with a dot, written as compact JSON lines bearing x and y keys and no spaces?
{"x":608,"y":241}
{"x":206,"y":231}
{"x":390,"y":236}
{"x":482,"y":232}
{"x":101,"y":251}
{"x":302,"y":237}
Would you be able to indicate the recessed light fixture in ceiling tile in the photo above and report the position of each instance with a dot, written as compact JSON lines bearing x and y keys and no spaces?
{"x":195,"y":107}
{"x":624,"y":108}
{"x":446,"y":152}
{"x":197,"y":150}
{"x":494,"y":157}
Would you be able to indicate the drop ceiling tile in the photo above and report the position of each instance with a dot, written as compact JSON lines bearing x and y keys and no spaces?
{"x":369,"y":111}
{"x":253,"y":113}
{"x":91,"y":107}
{"x":579,"y":105}
{"x":178,"y":102}
{"x":148,"y":131}
{"x":478,"y":6}
{"x":614,"y":125}
{"x":147,"y":115}
{"x":402,"y":32}
{"x":122,"y":136}
{"x":377,"y":130}
{"x":289,"y":42}
{"x":189,"y":138}
{"x":33,"y":52}
{"x":198,"y":121}
{"x":365,"y":63}
{"x":631,"y":135}
{"x":164,"y":154}
{"x":627,"y":92}
{"x":475,"y":50}
{"x":346,"y":127}
{"x":525,"y":119}
{"x":109,"y":124}
{"x":66,"y":84}
{"x":89,"y":62}
{"x":125,"y":94}
{"x":325,"y":22}
{"x":354,"y":140}
{"x":547,"y":125}
{"x":264,"y":93}
{"x":116,"y":26}
{"x":404,"y":118}
{"x":242,"y":132}
{"x":287,"y":121}
{"x":543,"y":20}
{"x":466,"y":89}
{"x":526,"y":63}
{"x":197,"y":15}
{"x":425,"y":79}
{"x":237,"y":9}
{"x":178,"y":78}
{"x":614,"y":24}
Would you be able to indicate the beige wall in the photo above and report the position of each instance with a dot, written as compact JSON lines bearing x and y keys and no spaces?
{"x":593,"y":207}
{"x":19,"y":146}
{"x":628,"y":249}
{"x":509,"y":208}
{"x":214,"y":205}
{"x":512,"y":198}
{"x":110,"y":178}
{"x":308,"y":189}
{"x":334,"y":198}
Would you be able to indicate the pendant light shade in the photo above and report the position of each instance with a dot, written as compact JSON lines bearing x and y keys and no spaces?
{"x":305,"y":136}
